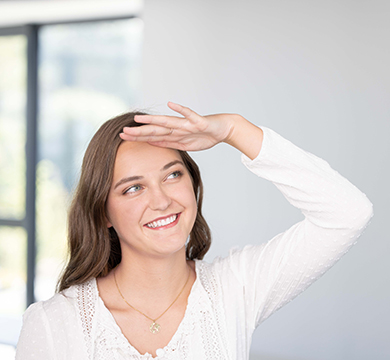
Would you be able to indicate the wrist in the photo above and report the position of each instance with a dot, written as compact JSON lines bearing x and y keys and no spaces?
{"x":235,"y":122}
{"x":245,"y":137}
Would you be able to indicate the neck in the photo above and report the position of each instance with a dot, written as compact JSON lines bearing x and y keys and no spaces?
{"x":152,"y":276}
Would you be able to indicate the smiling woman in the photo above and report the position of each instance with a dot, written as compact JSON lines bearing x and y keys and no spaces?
{"x":110,"y":177}
{"x":136,"y":286}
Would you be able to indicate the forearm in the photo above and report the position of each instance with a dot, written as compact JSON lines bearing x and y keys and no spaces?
{"x":309,"y":183}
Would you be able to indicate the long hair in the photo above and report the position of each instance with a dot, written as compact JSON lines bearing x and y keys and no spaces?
{"x":94,"y":249}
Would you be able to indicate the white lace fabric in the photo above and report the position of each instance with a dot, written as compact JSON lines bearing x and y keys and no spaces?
{"x":231,"y":296}
{"x":200,"y":314}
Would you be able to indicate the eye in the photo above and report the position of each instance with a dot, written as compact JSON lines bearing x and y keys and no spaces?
{"x":133,"y":189}
{"x":175,"y":174}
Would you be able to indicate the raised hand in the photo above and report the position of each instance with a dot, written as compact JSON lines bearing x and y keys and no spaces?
{"x":192,"y":132}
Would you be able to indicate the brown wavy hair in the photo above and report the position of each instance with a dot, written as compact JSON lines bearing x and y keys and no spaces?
{"x":94,"y":249}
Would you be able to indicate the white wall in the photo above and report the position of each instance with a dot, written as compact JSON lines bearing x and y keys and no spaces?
{"x":317,"y":73}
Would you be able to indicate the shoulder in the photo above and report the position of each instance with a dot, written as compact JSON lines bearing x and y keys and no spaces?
{"x":237,"y":265}
{"x":235,"y":259}
{"x":55,"y":328}
{"x":63,"y":304}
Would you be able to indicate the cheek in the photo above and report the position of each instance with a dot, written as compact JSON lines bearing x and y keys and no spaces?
{"x":192,"y":205}
{"x":120,"y":213}
{"x":184,"y":196}
{"x":108,"y":214}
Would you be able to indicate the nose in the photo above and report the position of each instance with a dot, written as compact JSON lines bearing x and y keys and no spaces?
{"x":159,"y":199}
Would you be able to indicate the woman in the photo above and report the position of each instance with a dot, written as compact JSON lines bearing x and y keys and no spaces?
{"x":134,"y":288}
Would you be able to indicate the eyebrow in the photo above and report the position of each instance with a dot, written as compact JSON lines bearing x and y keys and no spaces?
{"x":135,"y":178}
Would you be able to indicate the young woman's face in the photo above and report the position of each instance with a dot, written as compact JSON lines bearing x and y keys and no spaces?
{"x":151,"y":203}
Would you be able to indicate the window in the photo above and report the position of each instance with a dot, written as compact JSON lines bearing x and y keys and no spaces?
{"x":58,"y":84}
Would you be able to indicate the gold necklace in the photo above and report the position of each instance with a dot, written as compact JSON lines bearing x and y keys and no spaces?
{"x":154,"y":327}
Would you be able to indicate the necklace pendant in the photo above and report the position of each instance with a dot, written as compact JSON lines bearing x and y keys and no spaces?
{"x":154,"y":328}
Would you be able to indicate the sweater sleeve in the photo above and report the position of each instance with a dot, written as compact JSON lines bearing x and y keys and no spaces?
{"x":52,"y":330}
{"x":35,"y":341}
{"x":336,"y":213}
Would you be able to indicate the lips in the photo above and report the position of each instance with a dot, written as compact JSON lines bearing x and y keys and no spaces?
{"x":165,"y":222}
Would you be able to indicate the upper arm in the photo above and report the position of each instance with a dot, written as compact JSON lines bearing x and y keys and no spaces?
{"x":35,"y":341}
{"x":272,"y":274}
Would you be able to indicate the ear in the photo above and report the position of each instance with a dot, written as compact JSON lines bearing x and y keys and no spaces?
{"x":108,"y":223}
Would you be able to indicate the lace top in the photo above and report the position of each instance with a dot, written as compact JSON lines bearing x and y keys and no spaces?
{"x":231,"y":296}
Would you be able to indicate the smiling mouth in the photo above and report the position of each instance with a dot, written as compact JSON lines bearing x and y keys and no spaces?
{"x":170,"y":220}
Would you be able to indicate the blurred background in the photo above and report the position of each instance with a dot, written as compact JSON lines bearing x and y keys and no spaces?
{"x":316,"y":72}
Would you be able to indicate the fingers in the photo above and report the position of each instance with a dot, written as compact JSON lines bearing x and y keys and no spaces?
{"x":161,"y":141}
{"x":149,"y":130}
{"x":143,"y":138}
{"x":170,"y":121}
{"x":185,"y":111}
{"x":150,"y":133}
{"x":166,"y":131}
{"x":163,"y":121}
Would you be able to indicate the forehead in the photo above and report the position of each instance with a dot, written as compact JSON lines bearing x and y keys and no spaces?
{"x":137,"y":158}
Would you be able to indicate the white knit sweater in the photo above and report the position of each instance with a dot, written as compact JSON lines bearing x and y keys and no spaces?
{"x":231,"y":296}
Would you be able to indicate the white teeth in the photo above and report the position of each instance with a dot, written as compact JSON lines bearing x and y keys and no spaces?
{"x":162,"y":222}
